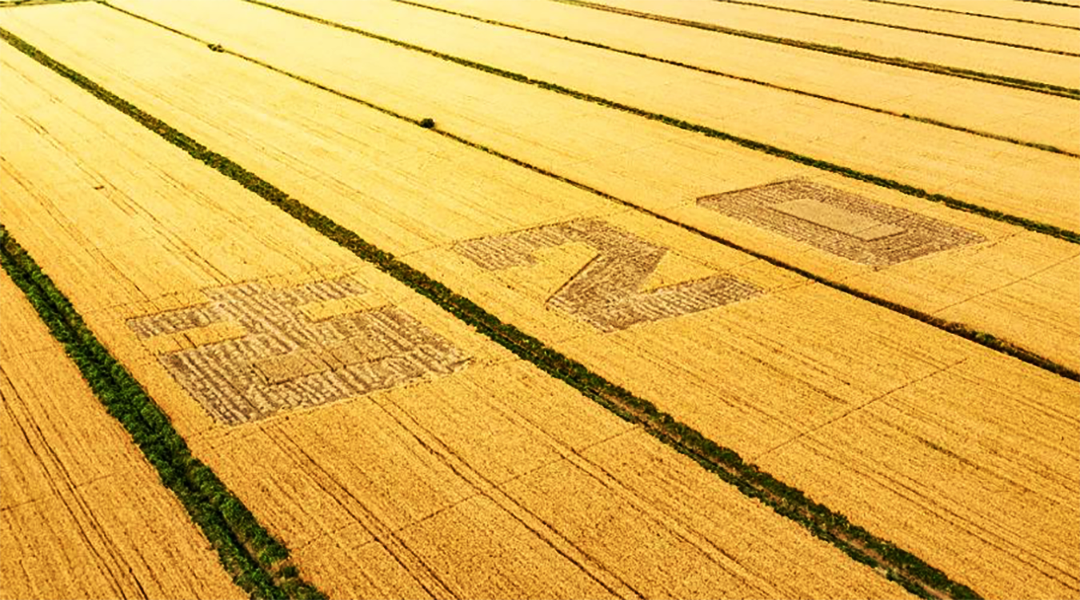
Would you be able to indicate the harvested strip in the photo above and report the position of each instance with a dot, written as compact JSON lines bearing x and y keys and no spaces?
{"x":852,"y":83}
{"x":1027,"y":69}
{"x":398,"y":492}
{"x":1054,"y":38}
{"x":809,"y":301}
{"x":82,"y":514}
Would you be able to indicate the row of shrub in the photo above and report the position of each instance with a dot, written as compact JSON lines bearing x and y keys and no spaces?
{"x":905,"y":568}
{"x":257,"y":561}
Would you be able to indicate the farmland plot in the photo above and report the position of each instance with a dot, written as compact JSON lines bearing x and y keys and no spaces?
{"x":1046,"y":13}
{"x":993,"y":174}
{"x":1018,"y":114}
{"x":81,"y":512}
{"x":970,"y":25}
{"x":831,"y":357}
{"x":395,"y":451}
{"x":1017,"y":285}
{"x":917,"y":47}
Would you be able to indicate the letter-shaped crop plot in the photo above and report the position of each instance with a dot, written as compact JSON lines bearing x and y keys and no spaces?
{"x":841,"y":223}
{"x":606,"y":292}
{"x":282,"y":356}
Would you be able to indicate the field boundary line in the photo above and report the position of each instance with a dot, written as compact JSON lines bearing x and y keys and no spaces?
{"x":971,"y":14}
{"x":884,"y":111}
{"x":892,"y":562}
{"x":899,"y":27}
{"x":959,"y":72}
{"x":257,"y":562}
{"x":910,"y":190}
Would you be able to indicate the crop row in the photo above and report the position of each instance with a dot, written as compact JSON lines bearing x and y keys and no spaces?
{"x":1014,"y":82}
{"x":985,"y":16}
{"x":675,"y":63}
{"x":954,"y":203}
{"x":899,"y":27}
{"x":901,"y":566}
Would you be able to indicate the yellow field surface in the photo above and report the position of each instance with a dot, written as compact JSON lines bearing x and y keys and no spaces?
{"x":996,"y":60}
{"x":1019,"y":285}
{"x":432,"y":464}
{"x":1011,"y":32}
{"x":1007,"y":9}
{"x":1014,"y":113}
{"x":780,"y":363}
{"x":1018,"y":180}
{"x":82,"y":515}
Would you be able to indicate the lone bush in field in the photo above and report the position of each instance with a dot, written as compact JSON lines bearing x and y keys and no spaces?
{"x":428,"y":123}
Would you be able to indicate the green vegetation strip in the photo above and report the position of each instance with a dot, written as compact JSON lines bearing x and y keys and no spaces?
{"x":993,"y":136}
{"x":1013,"y":82}
{"x":898,"y":565}
{"x":971,"y":14}
{"x":257,"y":562}
{"x":982,"y":338}
{"x":1044,"y":228}
{"x":899,"y":27}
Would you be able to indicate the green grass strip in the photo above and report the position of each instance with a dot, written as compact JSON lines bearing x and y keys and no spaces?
{"x":1013,"y":82}
{"x":257,"y":562}
{"x":971,"y":14}
{"x":899,"y":27}
{"x":934,"y":122}
{"x":979,"y":337}
{"x":1044,"y":228}
{"x":897,"y":564}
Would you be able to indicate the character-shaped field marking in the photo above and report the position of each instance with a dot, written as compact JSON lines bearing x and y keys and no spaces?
{"x":287,"y":355}
{"x":841,"y":223}
{"x":607,"y":292}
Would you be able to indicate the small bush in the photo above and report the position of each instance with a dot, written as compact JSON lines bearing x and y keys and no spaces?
{"x":428,"y":123}
{"x":216,"y":47}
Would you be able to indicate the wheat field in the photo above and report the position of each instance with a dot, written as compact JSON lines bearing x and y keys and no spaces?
{"x":544,"y":299}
